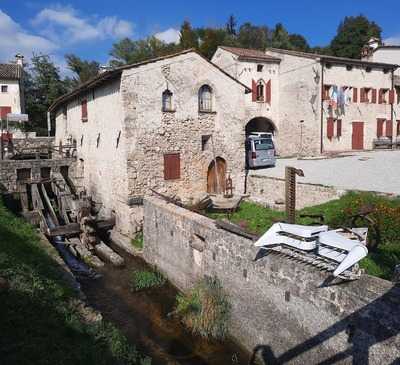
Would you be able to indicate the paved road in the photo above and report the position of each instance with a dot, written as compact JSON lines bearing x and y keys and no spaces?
{"x":371,"y":171}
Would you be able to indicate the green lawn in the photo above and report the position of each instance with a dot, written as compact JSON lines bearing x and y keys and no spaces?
{"x":257,"y":219}
{"x":38,"y":322}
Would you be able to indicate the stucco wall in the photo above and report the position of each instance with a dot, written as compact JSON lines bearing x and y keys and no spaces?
{"x":12,"y":96}
{"x":271,"y":191}
{"x":280,"y":308}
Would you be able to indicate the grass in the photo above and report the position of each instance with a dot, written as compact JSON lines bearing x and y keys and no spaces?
{"x":385,"y":211}
{"x":40,"y":324}
{"x":145,"y":279}
{"x":137,"y":242}
{"x":205,"y":310}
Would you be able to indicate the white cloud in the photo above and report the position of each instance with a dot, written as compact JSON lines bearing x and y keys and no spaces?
{"x":392,"y":41}
{"x":170,"y":35}
{"x":14,"y":40}
{"x":63,"y":24}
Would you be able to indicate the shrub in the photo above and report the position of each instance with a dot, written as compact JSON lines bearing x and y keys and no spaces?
{"x":205,"y":310}
{"x":145,"y":279}
{"x":137,"y":242}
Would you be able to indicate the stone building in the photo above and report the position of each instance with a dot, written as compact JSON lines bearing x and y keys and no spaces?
{"x":11,"y":87}
{"x":314,"y":103}
{"x":163,"y":124}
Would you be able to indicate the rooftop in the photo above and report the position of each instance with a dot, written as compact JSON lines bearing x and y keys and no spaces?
{"x":10,"y":71}
{"x":250,"y":54}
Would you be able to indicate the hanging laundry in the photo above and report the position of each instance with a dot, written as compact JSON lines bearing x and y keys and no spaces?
{"x":348,"y":95}
{"x":333,"y":97}
{"x":341,"y":100}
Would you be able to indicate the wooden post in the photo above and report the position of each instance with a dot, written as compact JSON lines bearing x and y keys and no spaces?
{"x":290,"y":193}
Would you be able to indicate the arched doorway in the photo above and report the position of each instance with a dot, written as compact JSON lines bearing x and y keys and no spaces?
{"x":216,"y":176}
{"x":260,"y":124}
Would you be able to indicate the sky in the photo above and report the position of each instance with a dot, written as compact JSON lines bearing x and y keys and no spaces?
{"x":89,"y":28}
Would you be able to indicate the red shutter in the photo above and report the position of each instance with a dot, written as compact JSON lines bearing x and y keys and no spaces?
{"x":325,"y":92}
{"x":172,"y":166}
{"x":398,"y":128}
{"x":373,"y":98}
{"x":84,"y":109}
{"x":4,"y":110}
{"x":391,"y":96}
{"x":253,"y":90}
{"x":380,"y":98}
{"x":389,"y":128}
{"x":268,"y":92}
{"x":329,"y":128}
{"x":355,"y":92}
{"x":379,"y":127}
{"x":339,"y":128}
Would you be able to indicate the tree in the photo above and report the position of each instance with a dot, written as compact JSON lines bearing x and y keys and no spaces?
{"x":298,"y":43}
{"x":352,"y":34}
{"x":127,"y":51}
{"x":280,"y":37}
{"x":252,"y":36}
{"x":42,"y":85}
{"x":231,"y":26}
{"x":189,"y":38}
{"x":83,"y":70}
{"x":213,"y":38}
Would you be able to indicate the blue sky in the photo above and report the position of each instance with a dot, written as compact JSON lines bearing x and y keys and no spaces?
{"x":89,"y":28}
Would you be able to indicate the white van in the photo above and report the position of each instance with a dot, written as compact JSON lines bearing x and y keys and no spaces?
{"x":260,"y":150}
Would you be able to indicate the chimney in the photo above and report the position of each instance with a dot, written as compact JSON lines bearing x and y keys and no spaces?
{"x":19,"y":59}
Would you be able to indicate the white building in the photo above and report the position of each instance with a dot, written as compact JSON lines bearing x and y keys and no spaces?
{"x":11,"y":87}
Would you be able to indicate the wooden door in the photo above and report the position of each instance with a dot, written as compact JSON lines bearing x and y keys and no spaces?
{"x":357,"y":140}
{"x":216,"y":177}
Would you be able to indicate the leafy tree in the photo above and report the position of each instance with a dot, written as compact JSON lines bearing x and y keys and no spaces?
{"x":280,"y":37}
{"x":83,"y":70}
{"x":128,"y":51}
{"x":213,"y":38}
{"x":298,"y":43}
{"x":252,"y":36}
{"x":42,"y":85}
{"x":352,"y":34}
{"x":189,"y":37}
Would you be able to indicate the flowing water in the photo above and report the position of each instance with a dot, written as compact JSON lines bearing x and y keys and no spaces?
{"x":144,"y":317}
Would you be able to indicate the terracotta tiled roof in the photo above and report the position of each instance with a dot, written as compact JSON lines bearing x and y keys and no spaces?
{"x":9,"y":71}
{"x":250,"y":54}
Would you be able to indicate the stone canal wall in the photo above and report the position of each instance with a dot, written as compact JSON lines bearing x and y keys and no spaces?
{"x":281,"y":309}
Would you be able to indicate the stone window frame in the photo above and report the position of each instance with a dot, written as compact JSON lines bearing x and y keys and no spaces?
{"x":206,"y":106}
{"x":167,"y":101}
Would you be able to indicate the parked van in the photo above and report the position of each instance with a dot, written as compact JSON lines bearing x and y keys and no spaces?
{"x":260,"y":150}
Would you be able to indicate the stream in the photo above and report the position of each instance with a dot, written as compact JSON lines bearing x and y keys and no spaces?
{"x":144,"y":319}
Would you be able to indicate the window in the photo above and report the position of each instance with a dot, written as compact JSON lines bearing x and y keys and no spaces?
{"x":384,"y":127}
{"x":4,"y":88}
{"x":23,"y":174}
{"x":172,"y":166}
{"x":349,"y":67}
{"x":326,"y":92}
{"x":398,"y":129}
{"x":205,"y":99}
{"x":260,"y":68}
{"x":205,"y":141}
{"x":368,"y":69}
{"x":260,"y":91}
{"x":333,"y":128}
{"x":365,"y":95}
{"x":167,"y":101}
{"x":383,"y":96}
{"x":84,"y":110}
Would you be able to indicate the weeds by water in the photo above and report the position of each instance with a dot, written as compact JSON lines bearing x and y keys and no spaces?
{"x":205,"y":310}
{"x":145,"y":279}
{"x":40,"y":322}
{"x":137,"y":242}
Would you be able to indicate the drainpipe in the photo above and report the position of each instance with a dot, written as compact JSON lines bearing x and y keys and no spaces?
{"x":392,"y":108}
{"x":322,"y":108}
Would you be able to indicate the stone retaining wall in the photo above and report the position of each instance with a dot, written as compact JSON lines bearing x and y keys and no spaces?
{"x":282,"y":310}
{"x":271,"y":191}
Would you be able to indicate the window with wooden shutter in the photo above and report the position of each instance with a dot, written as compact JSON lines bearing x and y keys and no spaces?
{"x":4,"y":110}
{"x":379,"y":127}
{"x":373,"y":96}
{"x":330,"y":127}
{"x":339,"y":128}
{"x":325,"y":92}
{"x":268,"y":92}
{"x":172,"y":166}
{"x":389,"y":128}
{"x":398,"y":128}
{"x":362,"y":95}
{"x":355,"y":95}
{"x":253,"y":90}
{"x":391,"y":96}
{"x":84,"y":110}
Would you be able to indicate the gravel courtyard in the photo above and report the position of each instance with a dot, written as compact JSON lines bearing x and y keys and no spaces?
{"x":370,"y":171}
